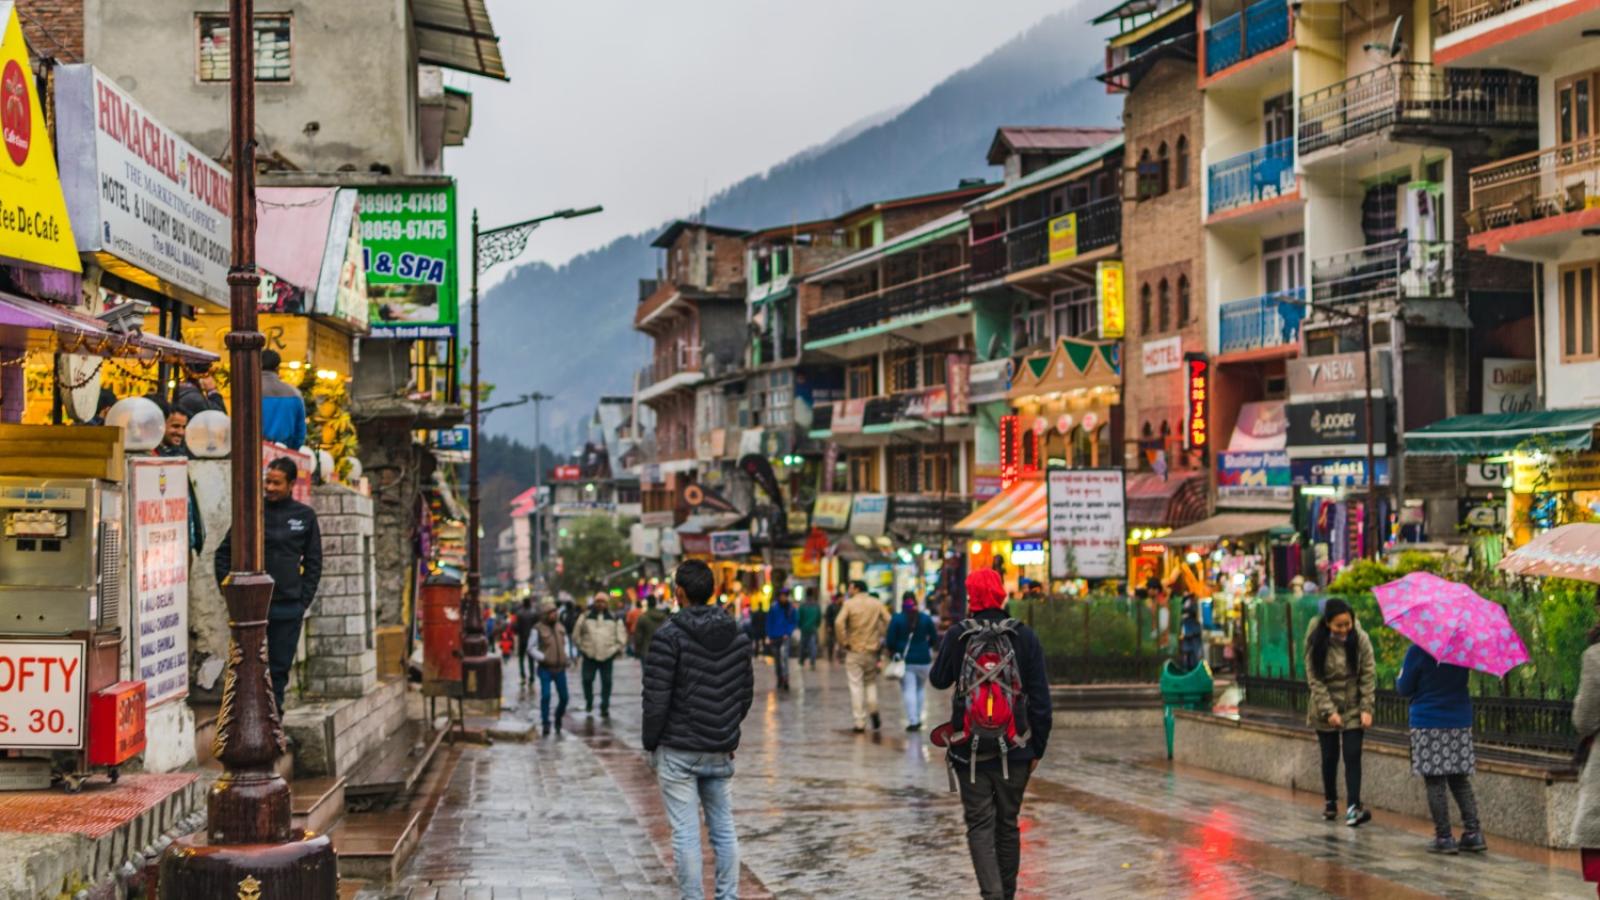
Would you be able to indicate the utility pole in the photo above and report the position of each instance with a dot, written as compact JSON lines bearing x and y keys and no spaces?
{"x":249,"y":847}
{"x":540,"y":476}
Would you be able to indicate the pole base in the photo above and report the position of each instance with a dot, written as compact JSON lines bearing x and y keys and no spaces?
{"x":305,"y":868}
{"x":481,"y":675}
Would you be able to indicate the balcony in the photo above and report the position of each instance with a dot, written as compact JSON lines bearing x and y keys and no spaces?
{"x":1249,"y":178}
{"x":933,"y":292}
{"x":988,"y":257}
{"x":1540,"y":185}
{"x":674,"y":367}
{"x":1391,"y":271}
{"x":1416,"y":99}
{"x":1520,"y":34}
{"x":1099,"y":225}
{"x":1246,"y":34}
{"x":1262,"y":323}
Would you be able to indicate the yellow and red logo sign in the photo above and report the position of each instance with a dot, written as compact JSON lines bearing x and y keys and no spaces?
{"x":34,"y":227}
{"x":16,"y":113}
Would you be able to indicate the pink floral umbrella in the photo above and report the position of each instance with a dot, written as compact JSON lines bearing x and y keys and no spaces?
{"x":1452,"y":623}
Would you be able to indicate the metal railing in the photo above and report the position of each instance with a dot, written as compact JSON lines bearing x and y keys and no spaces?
{"x":1254,"y":30}
{"x":988,"y":257}
{"x":1392,"y":270}
{"x":1271,"y":320}
{"x":1076,"y":669}
{"x":1261,"y":174}
{"x":928,"y":293}
{"x":1536,"y":185}
{"x":682,"y":358}
{"x":1099,"y":225}
{"x":1453,"y":15}
{"x":1418,"y":96}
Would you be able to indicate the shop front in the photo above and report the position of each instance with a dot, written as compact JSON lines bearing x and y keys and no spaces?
{"x":1009,"y":533}
{"x":1065,"y":402}
{"x":1328,"y":443}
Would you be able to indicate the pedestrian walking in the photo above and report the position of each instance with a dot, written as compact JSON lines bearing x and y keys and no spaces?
{"x":292,"y":543}
{"x":698,"y":685}
{"x":601,"y":637}
{"x":569,"y":620}
{"x":781,"y":622}
{"x":757,"y":626}
{"x":1586,"y":719}
{"x":911,"y":638}
{"x":999,"y":726}
{"x":831,"y":621}
{"x":809,"y":621}
{"x":861,"y":624}
{"x":650,"y":621}
{"x":1342,"y":674}
{"x":548,"y":646}
{"x":527,"y":619}
{"x":1440,"y":716}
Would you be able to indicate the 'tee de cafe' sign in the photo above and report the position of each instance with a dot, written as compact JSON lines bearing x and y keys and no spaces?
{"x":41,"y":694}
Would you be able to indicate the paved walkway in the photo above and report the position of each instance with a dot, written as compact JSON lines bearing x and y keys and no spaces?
{"x":823,"y":812}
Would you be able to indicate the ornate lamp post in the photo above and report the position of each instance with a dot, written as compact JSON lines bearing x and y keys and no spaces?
{"x":480,"y":670}
{"x":249,"y":849}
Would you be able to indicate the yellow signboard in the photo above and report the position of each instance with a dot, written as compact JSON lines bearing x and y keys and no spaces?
{"x":1064,"y":238}
{"x":1555,"y":472}
{"x":1113,"y":311}
{"x":306,"y":346}
{"x":34,"y":227}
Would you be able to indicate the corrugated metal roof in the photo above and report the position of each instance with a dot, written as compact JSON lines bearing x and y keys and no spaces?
{"x":1047,"y":137}
{"x":457,"y":34}
{"x":1047,"y":174}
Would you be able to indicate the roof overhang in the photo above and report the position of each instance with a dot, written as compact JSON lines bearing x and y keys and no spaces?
{"x":457,"y":34}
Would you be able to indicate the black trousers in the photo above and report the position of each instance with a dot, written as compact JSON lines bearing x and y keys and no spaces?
{"x":1330,"y":743}
{"x":590,"y":667}
{"x":283,"y":637}
{"x":991,"y":807}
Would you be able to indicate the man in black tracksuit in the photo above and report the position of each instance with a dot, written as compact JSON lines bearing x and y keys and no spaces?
{"x":293,"y":559}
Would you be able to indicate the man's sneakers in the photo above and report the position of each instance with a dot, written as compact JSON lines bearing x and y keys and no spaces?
{"x":1357,"y":816}
{"x":914,"y":726}
{"x":877,"y":722}
{"x":1443,"y":844}
{"x":545,"y":730}
{"x":1330,"y":811}
{"x":1473,"y":842}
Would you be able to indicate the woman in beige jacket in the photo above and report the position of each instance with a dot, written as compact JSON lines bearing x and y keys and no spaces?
{"x":1342,"y":675}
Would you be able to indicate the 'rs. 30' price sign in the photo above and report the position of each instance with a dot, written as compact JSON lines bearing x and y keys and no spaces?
{"x":41,"y":694}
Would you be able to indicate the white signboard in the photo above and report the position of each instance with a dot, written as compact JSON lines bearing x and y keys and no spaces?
{"x":1510,"y":385}
{"x":1088,"y":523}
{"x":869,"y":513}
{"x":41,"y":694}
{"x":645,"y":542}
{"x":1165,"y":355}
{"x":159,"y":571}
{"x":155,"y":209}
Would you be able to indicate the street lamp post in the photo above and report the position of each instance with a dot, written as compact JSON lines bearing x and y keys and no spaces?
{"x":480,"y":670}
{"x":249,"y":848}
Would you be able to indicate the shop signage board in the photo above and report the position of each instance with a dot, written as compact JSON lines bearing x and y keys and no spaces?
{"x":730,"y":543}
{"x":1336,"y":374}
{"x":1262,"y":425}
{"x":1510,"y":385}
{"x":159,"y":507}
{"x":957,"y":378}
{"x":989,"y":381}
{"x":1257,"y":479}
{"x":1331,"y":428}
{"x":1088,"y":523}
{"x":1337,"y":472}
{"x":1197,"y":402}
{"x":1555,"y":472}
{"x":849,"y":416}
{"x":409,"y":237}
{"x":1165,"y":355}
{"x":1483,"y":513}
{"x":566,"y":473}
{"x":1064,"y":238}
{"x":41,"y":693}
{"x":342,"y":283}
{"x":644,"y":541}
{"x":34,"y":226}
{"x":1485,"y":474}
{"x":869,"y":513}
{"x":151,"y":207}
{"x":831,"y":511}
{"x":1109,"y":288}
{"x":457,"y":438}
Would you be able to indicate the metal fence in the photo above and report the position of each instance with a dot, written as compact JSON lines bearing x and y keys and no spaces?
{"x":1261,"y":174}
{"x":929,"y":293}
{"x":1271,"y":320}
{"x":1256,"y":29}
{"x":1391,"y":270}
{"x":1417,"y":95}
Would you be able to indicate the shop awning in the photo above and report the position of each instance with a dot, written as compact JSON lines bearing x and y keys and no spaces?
{"x":1492,"y":434}
{"x":30,"y":325}
{"x":1173,"y":501}
{"x":1224,"y":526}
{"x":1019,"y":511}
{"x":457,"y":34}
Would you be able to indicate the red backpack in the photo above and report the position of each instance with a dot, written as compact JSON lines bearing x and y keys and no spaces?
{"x":990,"y":687}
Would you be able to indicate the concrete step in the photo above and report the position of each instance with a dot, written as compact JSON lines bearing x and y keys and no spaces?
{"x":317,"y":803}
{"x":376,"y":846}
{"x":1104,"y":696}
{"x":393,"y":768}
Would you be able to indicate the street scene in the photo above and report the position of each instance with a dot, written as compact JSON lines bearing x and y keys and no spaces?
{"x":475,"y":449}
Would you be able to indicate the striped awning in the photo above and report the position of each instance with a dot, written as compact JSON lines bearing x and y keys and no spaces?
{"x":1019,"y":511}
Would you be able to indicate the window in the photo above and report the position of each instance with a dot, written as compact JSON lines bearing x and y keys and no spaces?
{"x":1144,"y":308}
{"x":272,"y":47}
{"x":935,"y":470}
{"x":1184,"y":308}
{"x":864,"y":236}
{"x":1148,"y":176}
{"x":1575,"y":108}
{"x":1578,"y":312}
{"x":1277,"y":118}
{"x":903,"y":371}
{"x":1164,"y":300}
{"x":863,"y":465}
{"x":1283,"y":262}
{"x":1161,"y":158}
{"x":903,"y":470}
{"x":1029,"y":324}
{"x":860,"y":382}
{"x":1075,"y":313}
{"x":1182,"y":162}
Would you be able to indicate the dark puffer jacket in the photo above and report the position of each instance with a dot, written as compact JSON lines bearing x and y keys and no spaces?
{"x":698,"y":682}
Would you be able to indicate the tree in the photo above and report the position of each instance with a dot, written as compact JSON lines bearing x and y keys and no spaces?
{"x":593,"y":548}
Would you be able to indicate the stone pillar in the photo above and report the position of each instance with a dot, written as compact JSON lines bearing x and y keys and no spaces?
{"x":341,"y":652}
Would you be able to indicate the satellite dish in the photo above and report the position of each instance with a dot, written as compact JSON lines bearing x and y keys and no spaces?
{"x":78,"y":374}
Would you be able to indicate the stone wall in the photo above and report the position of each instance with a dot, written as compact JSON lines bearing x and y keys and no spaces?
{"x":341,"y":655}
{"x":331,"y":736}
{"x":208,"y":614}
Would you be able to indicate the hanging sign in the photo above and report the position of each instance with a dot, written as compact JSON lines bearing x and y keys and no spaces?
{"x":1196,"y":403}
{"x":869,"y":513}
{"x":1510,"y":385}
{"x":1063,"y":238}
{"x":159,"y":506}
{"x":408,"y":236}
{"x":34,"y":227}
{"x":1109,"y":286}
{"x":831,"y":511}
{"x":1088,"y":523}
{"x":730,"y":543}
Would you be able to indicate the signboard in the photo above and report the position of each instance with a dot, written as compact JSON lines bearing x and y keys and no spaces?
{"x":1339,"y":472}
{"x":152,"y":208}
{"x":1088,"y":523}
{"x":409,"y":238}
{"x":457,"y":438}
{"x":34,"y":227}
{"x":41,"y":692}
{"x":1510,"y":385}
{"x":869,"y":513}
{"x":644,"y":541}
{"x":1109,"y":287}
{"x":1483,"y":513}
{"x":1197,"y":402}
{"x":988,"y":381}
{"x":1555,"y":472}
{"x":1262,"y":425}
{"x":342,"y":285}
{"x":848,"y":416}
{"x":957,"y":369}
{"x":1481,"y":473}
{"x":1254,"y":479}
{"x":730,"y":543}
{"x":831,"y":511}
{"x":1165,"y":355}
{"x":1063,"y":238}
{"x":159,"y":563}
{"x":1339,"y":373}
{"x":1328,"y":428}
{"x":566,"y":473}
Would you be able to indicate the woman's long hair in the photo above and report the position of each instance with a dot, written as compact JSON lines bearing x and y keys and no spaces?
{"x":1321,"y":636}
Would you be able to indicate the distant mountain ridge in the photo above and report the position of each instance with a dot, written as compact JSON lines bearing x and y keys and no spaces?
{"x":569,"y":331}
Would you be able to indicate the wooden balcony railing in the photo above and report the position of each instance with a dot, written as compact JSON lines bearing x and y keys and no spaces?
{"x":942,"y":289}
{"x":1537,"y":185}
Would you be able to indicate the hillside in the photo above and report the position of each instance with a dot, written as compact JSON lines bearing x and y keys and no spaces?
{"x":568,"y":331}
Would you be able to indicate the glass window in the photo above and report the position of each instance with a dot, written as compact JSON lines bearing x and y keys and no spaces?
{"x":1283,"y":262}
{"x":1277,"y":118}
{"x":1578,"y":313}
{"x":1075,"y":313}
{"x":1184,"y":310}
{"x":272,"y":47}
{"x":1164,"y":301}
{"x":1181,"y":164}
{"x":1144,"y":308}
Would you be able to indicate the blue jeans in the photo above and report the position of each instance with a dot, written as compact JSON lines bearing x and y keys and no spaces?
{"x":688,"y":781}
{"x":808,"y":648}
{"x":546,"y":679}
{"x":913,"y":687}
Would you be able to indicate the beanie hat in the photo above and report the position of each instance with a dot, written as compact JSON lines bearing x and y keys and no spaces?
{"x":985,"y":591}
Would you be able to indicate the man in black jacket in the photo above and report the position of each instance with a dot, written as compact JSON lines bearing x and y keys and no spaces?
{"x":293,"y":559}
{"x":991,"y":792}
{"x":698,"y":683}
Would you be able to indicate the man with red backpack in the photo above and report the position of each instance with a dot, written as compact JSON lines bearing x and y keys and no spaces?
{"x":999,"y":726}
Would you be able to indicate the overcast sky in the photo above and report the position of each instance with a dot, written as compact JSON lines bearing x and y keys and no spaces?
{"x":649,"y":107}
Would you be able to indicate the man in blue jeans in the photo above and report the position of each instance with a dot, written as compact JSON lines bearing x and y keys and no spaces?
{"x":698,"y":684}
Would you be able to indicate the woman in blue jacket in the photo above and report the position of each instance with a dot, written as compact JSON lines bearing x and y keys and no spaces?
{"x":1441,"y":745}
{"x":912,"y":634}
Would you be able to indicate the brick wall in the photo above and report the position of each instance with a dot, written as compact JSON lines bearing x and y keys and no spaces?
{"x":341,"y":657}
{"x":53,"y":28}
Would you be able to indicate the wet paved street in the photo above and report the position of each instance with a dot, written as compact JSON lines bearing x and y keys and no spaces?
{"x":823,"y":812}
